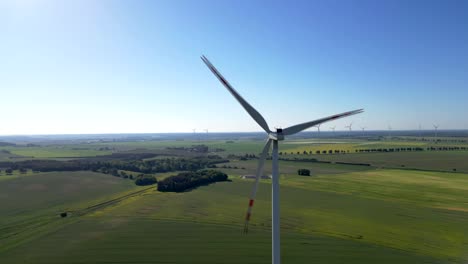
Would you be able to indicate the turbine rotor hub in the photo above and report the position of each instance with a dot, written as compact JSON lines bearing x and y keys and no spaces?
{"x":278,"y":135}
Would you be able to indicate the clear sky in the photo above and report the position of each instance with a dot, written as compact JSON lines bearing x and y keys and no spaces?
{"x":133,"y":66}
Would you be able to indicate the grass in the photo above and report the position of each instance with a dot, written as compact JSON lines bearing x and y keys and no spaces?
{"x":361,"y":217}
{"x":15,"y":174}
{"x":55,"y":152}
{"x":137,"y":240}
{"x":32,"y":201}
{"x":343,"y":213}
{"x":351,"y":146}
{"x":290,"y":167}
{"x":425,"y":160}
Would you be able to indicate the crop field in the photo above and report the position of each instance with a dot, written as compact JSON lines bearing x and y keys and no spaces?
{"x":351,"y":146}
{"x":51,"y":152}
{"x":328,"y":217}
{"x":426,"y":160}
{"x":233,"y":147}
{"x":29,"y":202}
{"x":237,"y":147}
{"x":383,"y":213}
{"x":290,"y":167}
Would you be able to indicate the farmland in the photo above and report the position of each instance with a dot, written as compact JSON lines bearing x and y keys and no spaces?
{"x":380,"y":212}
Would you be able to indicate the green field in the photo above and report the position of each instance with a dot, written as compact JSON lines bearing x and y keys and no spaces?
{"x":330,"y":218}
{"x":31,"y":202}
{"x":55,"y":152}
{"x":342,"y":213}
{"x":425,"y":160}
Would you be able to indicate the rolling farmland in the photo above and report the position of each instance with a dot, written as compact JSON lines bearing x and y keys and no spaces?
{"x":343,"y":212}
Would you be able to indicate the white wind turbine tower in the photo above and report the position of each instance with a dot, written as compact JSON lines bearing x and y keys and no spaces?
{"x":333,"y":128}
{"x":389,"y":130}
{"x":206,"y":130}
{"x":363,"y":128}
{"x":435,"y":129}
{"x":194,"y":133}
{"x":272,"y":137}
{"x":349,"y":126}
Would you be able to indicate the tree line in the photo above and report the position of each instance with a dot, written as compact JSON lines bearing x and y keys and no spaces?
{"x":143,"y":180}
{"x":400,"y":149}
{"x":189,"y":180}
{"x":141,"y":166}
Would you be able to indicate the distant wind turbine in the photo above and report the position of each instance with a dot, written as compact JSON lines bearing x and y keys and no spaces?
{"x":272,"y":137}
{"x":435,"y":129}
{"x":349,"y":126}
{"x":195,"y":134}
{"x":333,"y":128}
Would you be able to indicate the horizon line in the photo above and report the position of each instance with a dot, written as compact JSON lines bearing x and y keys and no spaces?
{"x":223,"y":132}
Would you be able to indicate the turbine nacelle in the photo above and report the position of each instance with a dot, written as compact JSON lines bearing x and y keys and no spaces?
{"x":278,"y":135}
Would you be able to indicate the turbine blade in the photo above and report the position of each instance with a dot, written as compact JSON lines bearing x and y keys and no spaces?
{"x":258,"y":175}
{"x":252,"y":112}
{"x":297,"y":128}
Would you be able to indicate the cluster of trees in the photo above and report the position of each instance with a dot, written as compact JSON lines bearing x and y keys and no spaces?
{"x":304,"y":160}
{"x":143,"y":180}
{"x":447,"y":148}
{"x":242,"y":157}
{"x":443,"y":140}
{"x":195,"y":148}
{"x":401,"y":149}
{"x":411,"y":149}
{"x":111,"y":166}
{"x":116,"y":173}
{"x":310,"y":152}
{"x":189,"y":180}
{"x":303,"y":172}
{"x":166,"y":164}
{"x":226,"y":167}
{"x":9,"y":171}
{"x":388,"y":150}
{"x":48,"y":165}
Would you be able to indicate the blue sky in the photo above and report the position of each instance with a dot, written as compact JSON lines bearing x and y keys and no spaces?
{"x":133,"y":66}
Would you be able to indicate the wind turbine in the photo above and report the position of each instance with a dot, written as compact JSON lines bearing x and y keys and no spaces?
{"x":318,"y":128}
{"x":389,"y":130}
{"x":435,"y":128}
{"x":194,"y":134}
{"x":206,"y":130}
{"x":272,"y":137}
{"x":333,"y":128}
{"x":349,"y":126}
{"x":363,"y":128}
